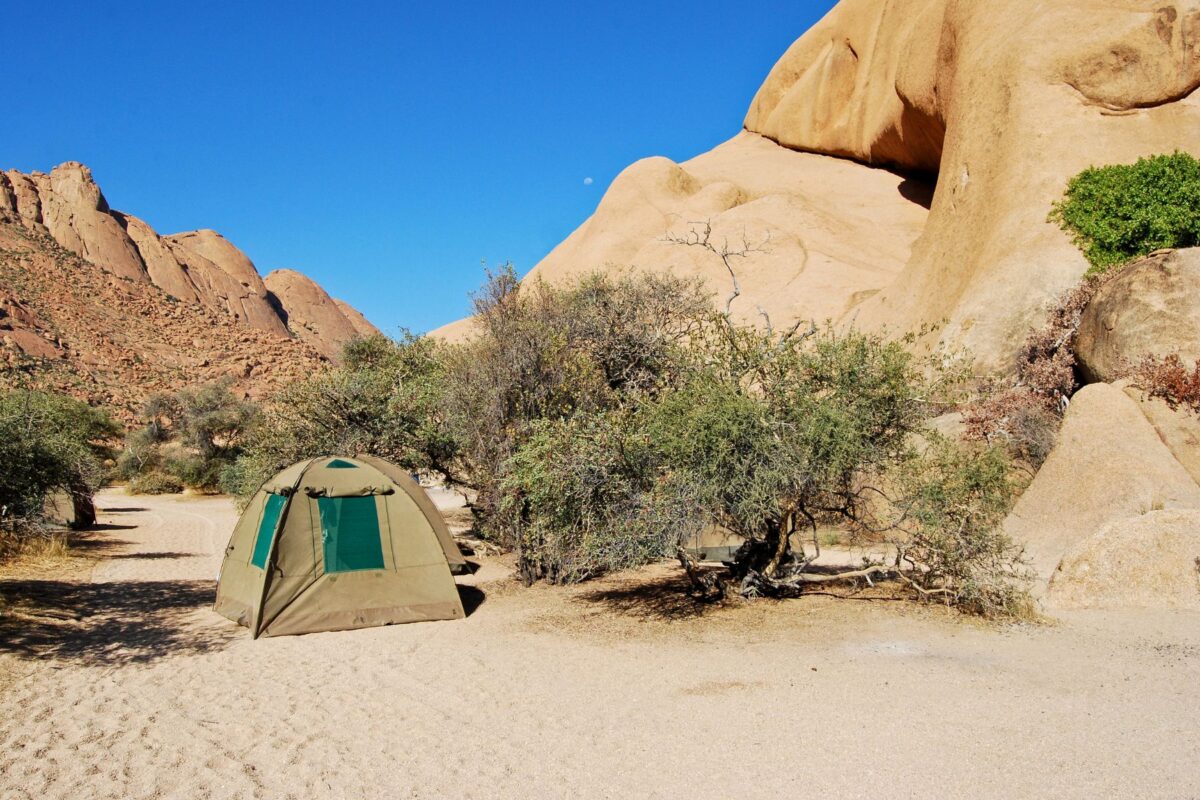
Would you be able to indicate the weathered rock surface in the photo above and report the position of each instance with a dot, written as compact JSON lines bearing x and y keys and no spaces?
{"x":830,"y":231}
{"x":225,"y":278}
{"x":1151,"y":307}
{"x":361,"y":324}
{"x":163,"y":268}
{"x":311,"y":313}
{"x":113,"y":343}
{"x":25,"y":197}
{"x":935,"y":88}
{"x":220,"y":251}
{"x":1005,"y":101}
{"x":1177,"y":428}
{"x":8,"y":200}
{"x":76,"y":214}
{"x":1108,"y":464}
{"x":1149,"y":561}
{"x":194,"y":267}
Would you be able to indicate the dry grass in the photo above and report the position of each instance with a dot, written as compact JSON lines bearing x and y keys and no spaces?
{"x":34,"y":552}
{"x":51,"y":557}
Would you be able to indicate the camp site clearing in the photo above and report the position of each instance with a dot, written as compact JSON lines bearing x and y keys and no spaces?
{"x":123,"y":682}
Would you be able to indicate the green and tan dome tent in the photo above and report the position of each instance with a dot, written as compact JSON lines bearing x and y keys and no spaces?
{"x":336,"y":543}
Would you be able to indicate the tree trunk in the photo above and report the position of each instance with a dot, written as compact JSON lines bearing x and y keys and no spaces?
{"x":709,"y":588}
{"x":783,"y":540}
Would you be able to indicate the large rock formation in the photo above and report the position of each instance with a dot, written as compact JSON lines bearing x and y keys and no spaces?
{"x":1151,"y":561}
{"x":1151,"y":307}
{"x":225,"y":278}
{"x":825,"y":232}
{"x":77,"y":216}
{"x":197,"y":267}
{"x":162,"y":266}
{"x":112,"y":311}
{"x":1177,"y":428}
{"x":113,"y":342}
{"x":361,"y":324}
{"x":24,"y":198}
{"x":312,"y":314}
{"x":998,"y":104}
{"x":1004,"y":101}
{"x":1109,"y":464}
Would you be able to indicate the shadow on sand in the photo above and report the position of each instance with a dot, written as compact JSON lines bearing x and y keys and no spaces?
{"x":106,"y":624}
{"x":154,"y":556}
{"x":472,"y":598}
{"x":667,"y":599}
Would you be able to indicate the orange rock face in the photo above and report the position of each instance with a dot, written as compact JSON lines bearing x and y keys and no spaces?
{"x":312,"y":314}
{"x":954,"y":126}
{"x":111,"y":311}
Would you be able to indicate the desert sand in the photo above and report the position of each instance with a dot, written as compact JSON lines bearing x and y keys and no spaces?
{"x":128,"y":685}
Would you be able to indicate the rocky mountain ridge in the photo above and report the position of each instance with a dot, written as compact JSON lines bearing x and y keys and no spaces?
{"x":112,"y":311}
{"x":198,"y":266}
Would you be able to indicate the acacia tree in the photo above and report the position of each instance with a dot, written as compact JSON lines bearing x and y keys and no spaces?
{"x":545,"y":353}
{"x":767,"y":435}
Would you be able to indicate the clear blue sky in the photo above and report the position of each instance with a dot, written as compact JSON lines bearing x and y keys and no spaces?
{"x":383,"y":148}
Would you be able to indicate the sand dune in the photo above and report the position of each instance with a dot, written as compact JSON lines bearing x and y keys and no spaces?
{"x":612,"y":689}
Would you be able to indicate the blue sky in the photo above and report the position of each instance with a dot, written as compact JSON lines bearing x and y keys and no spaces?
{"x":385,"y":149}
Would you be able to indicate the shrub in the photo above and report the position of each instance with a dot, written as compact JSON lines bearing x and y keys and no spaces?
{"x":775,"y":433}
{"x":581,"y":497}
{"x":767,"y":436}
{"x":386,"y":399}
{"x":1170,"y":380}
{"x":1025,"y":414}
{"x":155,"y":483}
{"x":549,"y":353}
{"x":48,"y":443}
{"x":602,"y":424}
{"x":1119,"y":212}
{"x":192,"y":435}
{"x":957,"y":498}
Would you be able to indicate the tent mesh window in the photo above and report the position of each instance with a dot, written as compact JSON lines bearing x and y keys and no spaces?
{"x":350,"y":531}
{"x":338,"y":463}
{"x":266,"y":529}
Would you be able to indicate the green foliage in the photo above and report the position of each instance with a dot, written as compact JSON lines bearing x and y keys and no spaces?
{"x":48,"y":443}
{"x":549,"y":353}
{"x":191,"y":436}
{"x":155,"y":483}
{"x":1120,"y":212}
{"x":582,"y":497}
{"x":385,"y":400}
{"x":601,"y":425}
{"x":776,"y":432}
{"x":957,"y":498}
{"x":761,"y":434}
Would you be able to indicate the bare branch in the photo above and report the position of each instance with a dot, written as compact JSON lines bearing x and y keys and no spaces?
{"x":700,"y":234}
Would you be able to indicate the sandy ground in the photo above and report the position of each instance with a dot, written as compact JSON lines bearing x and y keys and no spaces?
{"x":129,"y":686}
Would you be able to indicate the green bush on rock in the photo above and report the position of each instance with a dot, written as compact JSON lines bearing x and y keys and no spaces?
{"x":1120,"y":212}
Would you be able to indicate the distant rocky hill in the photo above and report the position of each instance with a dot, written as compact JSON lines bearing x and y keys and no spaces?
{"x":109,"y":310}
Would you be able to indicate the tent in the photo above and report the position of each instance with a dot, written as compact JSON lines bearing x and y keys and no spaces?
{"x":335,"y":543}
